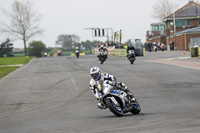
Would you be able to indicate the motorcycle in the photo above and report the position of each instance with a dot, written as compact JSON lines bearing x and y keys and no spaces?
{"x":77,"y":53}
{"x":45,"y":54}
{"x":59,"y":53}
{"x":116,"y":100}
{"x":102,"y":57}
{"x":155,"y":49}
{"x":131,"y":56}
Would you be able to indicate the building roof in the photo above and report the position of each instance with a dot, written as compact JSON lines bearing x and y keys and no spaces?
{"x":193,"y":30}
{"x":191,"y":9}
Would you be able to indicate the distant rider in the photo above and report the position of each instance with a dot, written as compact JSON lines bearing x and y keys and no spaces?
{"x":59,"y":52}
{"x":98,"y":78}
{"x":103,"y":49}
{"x":130,"y":47}
{"x":77,"y":50}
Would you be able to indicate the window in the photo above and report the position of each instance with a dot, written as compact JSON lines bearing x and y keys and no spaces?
{"x":162,"y":29}
{"x":187,"y":22}
{"x":199,"y":21}
{"x":183,"y":22}
{"x":180,"y":23}
{"x":168,"y":25}
{"x":155,"y":28}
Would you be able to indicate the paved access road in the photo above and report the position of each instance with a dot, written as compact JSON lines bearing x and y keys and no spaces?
{"x":51,"y":95}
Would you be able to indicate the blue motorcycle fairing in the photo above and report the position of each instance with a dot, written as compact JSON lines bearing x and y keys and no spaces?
{"x":114,"y":92}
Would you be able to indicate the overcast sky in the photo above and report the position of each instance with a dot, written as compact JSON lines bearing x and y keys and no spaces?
{"x":73,"y":16}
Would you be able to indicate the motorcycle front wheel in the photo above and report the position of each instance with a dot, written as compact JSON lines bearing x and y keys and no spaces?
{"x":117,"y":110}
{"x":102,"y":60}
{"x":136,"y":108}
{"x":131,"y":60}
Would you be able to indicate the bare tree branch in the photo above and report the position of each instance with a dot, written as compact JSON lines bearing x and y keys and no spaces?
{"x":163,"y":8}
{"x":23,"y":22}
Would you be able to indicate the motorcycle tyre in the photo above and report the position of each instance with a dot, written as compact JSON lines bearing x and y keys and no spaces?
{"x":102,"y":60}
{"x":109,"y":104}
{"x":136,"y":110}
{"x":131,"y":60}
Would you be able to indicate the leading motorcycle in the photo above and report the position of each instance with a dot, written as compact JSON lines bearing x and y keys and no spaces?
{"x":77,"y":53}
{"x":131,"y":56}
{"x":116,"y":100}
{"x":102,"y":57}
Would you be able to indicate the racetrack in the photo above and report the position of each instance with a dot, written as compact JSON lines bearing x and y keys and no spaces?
{"x":52,"y":95}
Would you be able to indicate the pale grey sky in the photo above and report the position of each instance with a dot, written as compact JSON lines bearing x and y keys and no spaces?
{"x":72,"y":16}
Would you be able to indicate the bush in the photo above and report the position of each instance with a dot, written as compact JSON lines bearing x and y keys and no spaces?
{"x":36,"y":48}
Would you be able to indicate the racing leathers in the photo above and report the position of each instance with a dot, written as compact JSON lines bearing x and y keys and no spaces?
{"x":112,"y":81}
{"x":103,"y":50}
{"x":130,"y":48}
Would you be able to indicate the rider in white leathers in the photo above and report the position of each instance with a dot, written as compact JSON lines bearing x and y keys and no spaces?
{"x":98,"y":78}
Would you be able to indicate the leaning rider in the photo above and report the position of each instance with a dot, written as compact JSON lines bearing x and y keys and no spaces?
{"x":98,"y":78}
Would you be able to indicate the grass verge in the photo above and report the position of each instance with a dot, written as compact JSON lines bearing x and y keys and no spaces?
{"x":14,"y":60}
{"x":6,"y":70}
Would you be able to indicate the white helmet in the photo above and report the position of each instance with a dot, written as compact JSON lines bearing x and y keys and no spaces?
{"x":95,"y":73}
{"x":76,"y":47}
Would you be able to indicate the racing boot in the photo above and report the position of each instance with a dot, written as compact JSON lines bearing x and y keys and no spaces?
{"x":101,"y":105}
{"x":123,"y":87}
{"x":131,"y":96}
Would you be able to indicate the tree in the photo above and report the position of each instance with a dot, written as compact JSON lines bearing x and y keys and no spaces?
{"x":67,"y":41}
{"x":6,"y":49}
{"x":87,"y":44}
{"x":23,"y":22}
{"x":36,"y":48}
{"x":163,"y":8}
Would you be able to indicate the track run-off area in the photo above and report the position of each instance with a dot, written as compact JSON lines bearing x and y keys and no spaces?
{"x":52,"y":95}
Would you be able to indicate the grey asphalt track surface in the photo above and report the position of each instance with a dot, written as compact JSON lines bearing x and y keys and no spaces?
{"x":52,"y":95}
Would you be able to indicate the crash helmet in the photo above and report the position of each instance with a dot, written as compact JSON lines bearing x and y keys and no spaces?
{"x":101,"y":46}
{"x":95,"y":73}
{"x":77,"y":48}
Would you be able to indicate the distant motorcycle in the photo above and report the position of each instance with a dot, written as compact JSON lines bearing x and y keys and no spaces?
{"x":117,"y":100}
{"x":77,"y":53}
{"x":45,"y":54}
{"x":59,"y":53}
{"x":155,"y":49}
{"x":102,"y":57}
{"x":131,"y":56}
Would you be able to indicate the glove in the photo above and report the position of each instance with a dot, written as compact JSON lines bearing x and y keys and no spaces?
{"x":118,"y":84}
{"x":110,"y":83}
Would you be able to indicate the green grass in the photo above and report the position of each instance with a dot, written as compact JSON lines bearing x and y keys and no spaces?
{"x":14,"y":60}
{"x":6,"y":70}
{"x":19,"y":55}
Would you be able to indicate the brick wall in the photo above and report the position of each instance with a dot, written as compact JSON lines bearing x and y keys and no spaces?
{"x":181,"y":42}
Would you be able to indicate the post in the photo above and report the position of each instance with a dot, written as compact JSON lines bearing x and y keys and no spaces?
{"x":174,"y":31}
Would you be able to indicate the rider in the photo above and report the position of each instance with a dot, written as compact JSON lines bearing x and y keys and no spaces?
{"x":98,"y":78}
{"x":130,"y":47}
{"x":77,"y":50}
{"x":103,"y":49}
